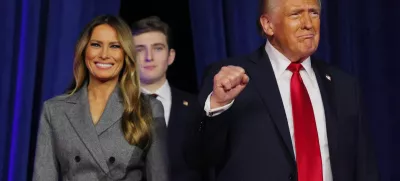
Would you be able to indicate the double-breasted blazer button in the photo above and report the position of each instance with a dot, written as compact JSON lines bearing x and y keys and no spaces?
{"x":77,"y":158}
{"x":111,"y":159}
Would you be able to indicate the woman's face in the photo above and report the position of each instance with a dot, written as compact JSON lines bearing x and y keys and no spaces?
{"x":104,"y":56}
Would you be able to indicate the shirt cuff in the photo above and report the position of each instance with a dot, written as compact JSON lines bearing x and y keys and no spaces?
{"x":216,"y":111}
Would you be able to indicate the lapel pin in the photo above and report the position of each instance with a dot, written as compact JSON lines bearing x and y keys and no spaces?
{"x":186,"y":103}
{"x":328,"y":77}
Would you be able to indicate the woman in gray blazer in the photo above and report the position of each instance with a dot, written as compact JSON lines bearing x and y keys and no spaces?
{"x":104,"y":128}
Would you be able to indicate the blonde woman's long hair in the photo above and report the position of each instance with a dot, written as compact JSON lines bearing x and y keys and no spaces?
{"x":136,"y":118}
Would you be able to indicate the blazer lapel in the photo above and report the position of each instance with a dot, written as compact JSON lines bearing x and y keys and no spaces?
{"x":112,"y":112}
{"x":263,"y":77}
{"x":78,"y":114}
{"x":326,"y":87}
{"x":175,"y":108}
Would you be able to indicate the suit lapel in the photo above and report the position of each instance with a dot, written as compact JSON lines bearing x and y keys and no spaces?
{"x":112,"y":112}
{"x":78,"y":113}
{"x":176,"y":107}
{"x":326,"y":87}
{"x":262,"y":76}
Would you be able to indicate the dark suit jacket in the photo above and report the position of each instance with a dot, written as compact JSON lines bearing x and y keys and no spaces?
{"x":71,"y":147}
{"x":251,"y":140}
{"x":185,"y":110}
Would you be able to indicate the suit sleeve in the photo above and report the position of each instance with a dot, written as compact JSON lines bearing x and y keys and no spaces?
{"x":206,"y":143}
{"x":45,"y":165}
{"x":367,"y":169}
{"x":157,"y":164}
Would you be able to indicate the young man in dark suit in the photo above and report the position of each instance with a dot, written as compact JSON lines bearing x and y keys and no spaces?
{"x":280,"y":114}
{"x":152,"y":38}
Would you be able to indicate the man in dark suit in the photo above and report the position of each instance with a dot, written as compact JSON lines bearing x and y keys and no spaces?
{"x":154,"y":53}
{"x":278,"y":114}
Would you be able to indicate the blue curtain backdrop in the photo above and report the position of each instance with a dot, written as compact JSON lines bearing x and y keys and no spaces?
{"x":37,"y":44}
{"x":360,"y":36}
{"x":38,"y":36}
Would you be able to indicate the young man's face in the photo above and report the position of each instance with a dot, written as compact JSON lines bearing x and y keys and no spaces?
{"x":154,"y":56}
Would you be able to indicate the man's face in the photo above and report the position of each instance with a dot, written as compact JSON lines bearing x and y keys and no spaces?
{"x":154,"y":56}
{"x":293,"y":27}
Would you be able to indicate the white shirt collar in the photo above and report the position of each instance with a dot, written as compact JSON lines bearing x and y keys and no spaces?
{"x":280,"y":63}
{"x":164,"y":92}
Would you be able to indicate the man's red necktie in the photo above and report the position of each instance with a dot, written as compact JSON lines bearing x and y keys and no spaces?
{"x":308,"y":155}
